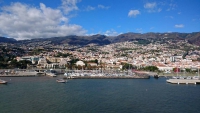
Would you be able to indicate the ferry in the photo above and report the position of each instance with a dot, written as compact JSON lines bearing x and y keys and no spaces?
{"x":26,"y":73}
{"x":20,"y":73}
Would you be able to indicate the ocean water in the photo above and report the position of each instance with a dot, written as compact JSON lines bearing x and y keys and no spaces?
{"x":45,"y":95}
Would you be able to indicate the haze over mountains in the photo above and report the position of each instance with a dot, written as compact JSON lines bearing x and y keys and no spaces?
{"x":192,"y":38}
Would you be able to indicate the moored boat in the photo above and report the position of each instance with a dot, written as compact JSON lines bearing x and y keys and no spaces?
{"x":195,"y":77}
{"x":156,"y":76}
{"x":51,"y":74}
{"x":61,"y":80}
{"x":189,"y":77}
{"x":66,"y":74}
{"x":3,"y":82}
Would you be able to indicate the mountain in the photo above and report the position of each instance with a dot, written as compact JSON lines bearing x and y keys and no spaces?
{"x":195,"y":39}
{"x":79,"y":40}
{"x":7,"y":40}
{"x":154,"y":36}
{"x":146,"y":38}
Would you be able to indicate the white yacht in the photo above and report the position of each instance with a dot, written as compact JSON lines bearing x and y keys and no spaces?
{"x":195,"y":77}
{"x":189,"y":77}
{"x":66,"y":74}
{"x":61,"y":80}
{"x":3,"y":82}
{"x":51,"y":73}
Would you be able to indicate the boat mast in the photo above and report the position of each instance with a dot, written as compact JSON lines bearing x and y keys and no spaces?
{"x":198,"y":72}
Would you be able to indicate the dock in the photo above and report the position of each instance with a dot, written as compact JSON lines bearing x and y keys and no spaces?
{"x":183,"y":81}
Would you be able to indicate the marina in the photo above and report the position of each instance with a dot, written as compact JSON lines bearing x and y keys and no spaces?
{"x":73,"y":74}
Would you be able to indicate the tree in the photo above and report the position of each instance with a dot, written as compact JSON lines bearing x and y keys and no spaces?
{"x":72,"y":62}
{"x":188,"y":70}
{"x":151,"y":68}
{"x":23,"y":64}
{"x":127,"y":66}
{"x":96,"y":61}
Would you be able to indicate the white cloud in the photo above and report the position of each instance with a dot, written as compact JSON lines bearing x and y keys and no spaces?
{"x":172,"y":6}
{"x":118,"y":26}
{"x":22,"y":21}
{"x":139,"y":30}
{"x":133,"y":13}
{"x":152,"y":28}
{"x":179,"y":26}
{"x":111,"y":33}
{"x":169,"y":17}
{"x":90,"y":8}
{"x":69,"y":5}
{"x":159,"y":10}
{"x":150,"y":5}
{"x":103,"y":7}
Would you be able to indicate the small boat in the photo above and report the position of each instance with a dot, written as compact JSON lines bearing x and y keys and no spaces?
{"x":51,"y":74}
{"x":61,"y":80}
{"x":156,"y":76}
{"x":3,"y":82}
{"x":195,"y":77}
{"x":181,"y":77}
{"x":66,"y":74}
{"x":189,"y":77}
{"x":175,"y":77}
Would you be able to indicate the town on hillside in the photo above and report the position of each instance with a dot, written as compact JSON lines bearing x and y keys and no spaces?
{"x":153,"y":56}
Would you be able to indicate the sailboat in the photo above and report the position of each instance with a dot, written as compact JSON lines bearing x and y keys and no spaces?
{"x":196,"y":77}
{"x":176,"y":77}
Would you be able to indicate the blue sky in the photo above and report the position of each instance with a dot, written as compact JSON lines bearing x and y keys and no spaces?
{"x":25,"y":19}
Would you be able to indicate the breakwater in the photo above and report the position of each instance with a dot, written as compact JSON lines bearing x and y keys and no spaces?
{"x":112,"y":77}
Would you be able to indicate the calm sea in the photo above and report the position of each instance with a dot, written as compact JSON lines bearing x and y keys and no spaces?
{"x":45,"y":95}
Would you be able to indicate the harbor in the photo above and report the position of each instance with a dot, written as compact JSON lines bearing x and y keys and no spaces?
{"x":78,"y":95}
{"x":73,"y":74}
{"x":98,"y":74}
